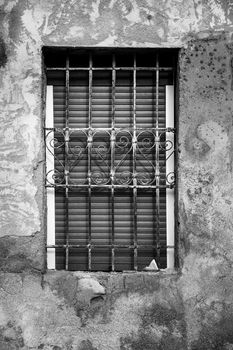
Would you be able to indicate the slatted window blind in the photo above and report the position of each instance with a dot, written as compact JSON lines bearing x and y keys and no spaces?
{"x":109,"y":144}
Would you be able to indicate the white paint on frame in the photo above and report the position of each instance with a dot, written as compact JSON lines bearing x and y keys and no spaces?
{"x":50,"y":170}
{"x":170,"y":193}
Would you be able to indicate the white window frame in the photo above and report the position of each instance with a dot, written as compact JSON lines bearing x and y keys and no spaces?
{"x":170,"y":192}
{"x":49,"y":123}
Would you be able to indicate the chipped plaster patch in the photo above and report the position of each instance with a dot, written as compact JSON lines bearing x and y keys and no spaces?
{"x":183,"y":18}
{"x":26,"y":58}
{"x":160,"y":32}
{"x":150,"y":2}
{"x":85,"y":7}
{"x":95,"y":36}
{"x":110,"y":40}
{"x":21,"y":145}
{"x":3,"y":316}
{"x":10,"y":4}
{"x":129,"y":9}
{"x":112,"y":2}
{"x":30,"y":97}
{"x":94,"y":15}
{"x":198,"y":8}
{"x":76,"y":32}
{"x":30,"y":23}
{"x":134,"y":14}
{"x":40,"y":12}
{"x":19,"y":213}
{"x":217,"y":12}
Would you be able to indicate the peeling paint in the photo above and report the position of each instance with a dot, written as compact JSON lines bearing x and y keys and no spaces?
{"x":94,"y":15}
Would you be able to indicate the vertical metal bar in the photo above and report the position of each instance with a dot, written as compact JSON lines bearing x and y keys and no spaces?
{"x":89,"y":158}
{"x":112,"y":170}
{"x":66,"y":136}
{"x":134,"y":167}
{"x":157,"y":170}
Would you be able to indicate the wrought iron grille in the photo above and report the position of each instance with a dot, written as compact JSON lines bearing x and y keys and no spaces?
{"x":108,"y":157}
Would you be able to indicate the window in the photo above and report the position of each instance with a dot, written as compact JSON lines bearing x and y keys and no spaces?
{"x":109,"y":135}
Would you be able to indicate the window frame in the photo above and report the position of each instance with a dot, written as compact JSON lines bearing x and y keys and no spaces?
{"x":170,"y":192}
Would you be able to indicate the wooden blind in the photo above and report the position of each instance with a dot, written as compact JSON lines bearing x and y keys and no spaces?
{"x":105,"y":222}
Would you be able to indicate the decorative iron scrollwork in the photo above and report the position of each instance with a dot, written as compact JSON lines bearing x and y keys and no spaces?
{"x":123,"y":157}
{"x":123,"y":178}
{"x":100,"y":157}
{"x":99,"y":178}
{"x":92,"y":152}
{"x":145,"y":157}
{"x":171,"y":179}
{"x":77,"y":149}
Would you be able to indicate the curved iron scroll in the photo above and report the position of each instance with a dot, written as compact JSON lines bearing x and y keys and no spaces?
{"x":166,"y":142}
{"x":67,"y":151}
{"x":70,"y":152}
{"x":122,"y":171}
{"x":100,"y":157}
{"x":145,"y":154}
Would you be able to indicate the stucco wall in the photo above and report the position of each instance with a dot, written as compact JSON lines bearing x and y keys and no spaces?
{"x":191,"y":308}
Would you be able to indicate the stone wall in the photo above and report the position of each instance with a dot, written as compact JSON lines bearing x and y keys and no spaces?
{"x":191,"y":308}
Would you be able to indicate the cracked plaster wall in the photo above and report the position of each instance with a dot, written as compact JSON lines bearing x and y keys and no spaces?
{"x":190,"y":309}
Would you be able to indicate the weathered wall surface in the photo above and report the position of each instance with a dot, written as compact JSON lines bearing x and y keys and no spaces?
{"x":190,"y":309}
{"x":75,"y":311}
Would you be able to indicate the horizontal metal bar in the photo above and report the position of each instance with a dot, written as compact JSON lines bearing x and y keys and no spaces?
{"x":110,"y":186}
{"x":115,"y":246}
{"x":110,"y":69}
{"x":110,"y":129}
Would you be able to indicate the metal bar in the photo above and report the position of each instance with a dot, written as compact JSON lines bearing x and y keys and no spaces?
{"x":112,"y":171}
{"x":134,"y":167}
{"x":108,"y":68}
{"x":66,"y":171}
{"x":109,"y":129}
{"x":89,"y":158}
{"x":157,"y":170}
{"x":116,"y":246}
{"x":146,"y":187}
